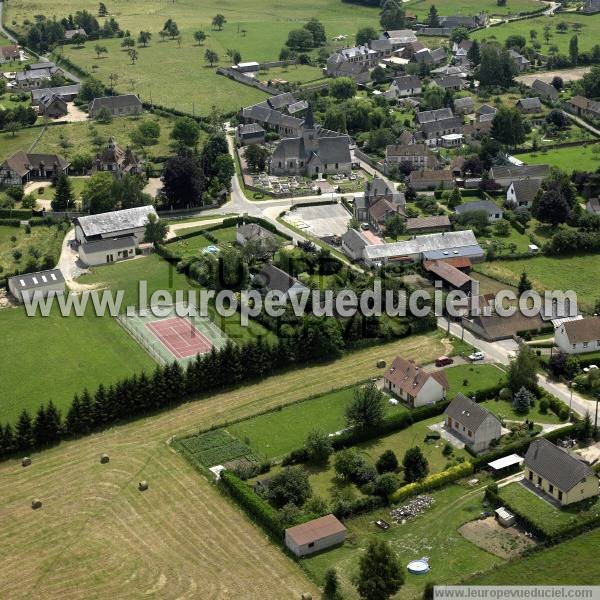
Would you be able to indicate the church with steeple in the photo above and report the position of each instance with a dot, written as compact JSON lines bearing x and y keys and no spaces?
{"x":314,"y":152}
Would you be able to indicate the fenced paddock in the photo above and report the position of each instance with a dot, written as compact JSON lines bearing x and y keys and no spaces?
{"x":173,"y":337}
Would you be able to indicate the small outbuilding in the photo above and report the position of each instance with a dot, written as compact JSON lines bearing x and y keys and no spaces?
{"x":315,"y":535}
{"x":505,"y":517}
{"x":42,"y":282}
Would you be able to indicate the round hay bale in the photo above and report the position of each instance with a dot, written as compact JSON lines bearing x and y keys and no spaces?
{"x":25,"y":461}
{"x":381,"y":364}
{"x":306,"y":596}
{"x":104,"y":459}
{"x":35,"y":504}
{"x":143,"y":486}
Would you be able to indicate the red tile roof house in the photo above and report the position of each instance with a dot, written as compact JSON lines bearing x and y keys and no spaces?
{"x":413,"y":385}
{"x":315,"y":535}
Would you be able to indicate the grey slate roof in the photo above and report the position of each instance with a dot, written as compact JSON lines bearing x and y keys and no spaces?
{"x":519,"y":171}
{"x":250,"y":128}
{"x":408,"y":82}
{"x":30,"y":281}
{"x":297,"y":106}
{"x":254,"y":232}
{"x":281,"y":100}
{"x":530,"y":103}
{"x":467,"y":413}
{"x":555,"y":465}
{"x":526,"y":189}
{"x":22,"y":163}
{"x":429,"y":116}
{"x":119,"y":220}
{"x":63,"y":90}
{"x":274,"y":278}
{"x":115,"y":102}
{"x":486,"y":205}
{"x":466,"y":103}
{"x":545,"y":89}
{"x":354,"y":240}
{"x":109,"y":244}
{"x":449,"y":81}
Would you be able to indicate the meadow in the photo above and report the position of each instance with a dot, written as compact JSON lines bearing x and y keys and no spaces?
{"x":579,"y":273}
{"x":92,"y":510}
{"x":587,"y":34}
{"x":178,"y":76}
{"x":581,"y":158}
{"x":471,"y":7}
{"x":503,"y":409}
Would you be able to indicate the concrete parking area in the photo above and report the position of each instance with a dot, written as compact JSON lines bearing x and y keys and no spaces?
{"x":323,"y":220}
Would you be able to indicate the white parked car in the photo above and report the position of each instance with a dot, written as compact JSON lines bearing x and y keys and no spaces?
{"x":476,"y":356}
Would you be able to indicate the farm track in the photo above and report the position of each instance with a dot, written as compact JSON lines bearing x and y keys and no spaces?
{"x":97,"y":536}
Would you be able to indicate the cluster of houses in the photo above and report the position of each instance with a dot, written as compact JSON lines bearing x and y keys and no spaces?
{"x":23,"y":167}
{"x":306,"y":149}
{"x":33,"y":76}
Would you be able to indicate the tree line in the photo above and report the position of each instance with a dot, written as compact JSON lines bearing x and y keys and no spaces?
{"x":166,"y":387}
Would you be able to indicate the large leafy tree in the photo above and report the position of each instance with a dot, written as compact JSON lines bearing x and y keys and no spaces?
{"x":156,"y":230}
{"x":415,"y":465}
{"x":186,"y":132}
{"x":380,"y":573}
{"x":183,"y":180}
{"x":522,"y":371}
{"x":551,"y":208}
{"x":367,"y":407}
{"x":290,"y":486}
{"x":97,"y":195}
{"x":392,"y":15}
{"x":508,"y":127}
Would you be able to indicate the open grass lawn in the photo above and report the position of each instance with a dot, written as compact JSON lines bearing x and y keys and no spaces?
{"x":90,"y":136}
{"x":545,"y":516}
{"x":588,"y":36}
{"x":292,"y":73}
{"x":91,"y":509}
{"x":504,"y":410}
{"x":190,"y":246}
{"x":520,"y":240}
{"x":45,"y":240}
{"x":160,"y":275}
{"x":578,"y":273}
{"x":574,"y":562}
{"x":433,"y":534}
{"x":52,"y":358}
{"x":568,"y":159}
{"x":274,"y":434}
{"x":467,"y":379}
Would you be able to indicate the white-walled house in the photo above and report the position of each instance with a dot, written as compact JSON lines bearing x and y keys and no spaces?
{"x":101,"y":252}
{"x":522,"y":192}
{"x":413,"y":385}
{"x":115,"y":224}
{"x":42,"y":282}
{"x":476,"y":426}
{"x":577,"y":337}
{"x":559,"y":474}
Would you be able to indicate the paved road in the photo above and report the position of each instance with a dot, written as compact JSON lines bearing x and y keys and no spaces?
{"x":499,"y":352}
{"x":582,"y":123}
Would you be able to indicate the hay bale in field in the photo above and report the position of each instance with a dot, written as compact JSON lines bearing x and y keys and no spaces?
{"x":104,"y":459}
{"x":143,"y":486}
{"x":25,"y":461}
{"x":35,"y":504}
{"x":381,"y":364}
{"x":306,"y":596}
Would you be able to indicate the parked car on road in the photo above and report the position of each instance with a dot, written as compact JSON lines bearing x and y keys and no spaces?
{"x":476,"y":356}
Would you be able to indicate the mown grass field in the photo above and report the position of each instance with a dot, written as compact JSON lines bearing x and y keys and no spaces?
{"x":42,"y":240}
{"x":103,"y":538}
{"x":504,"y":410}
{"x":21,"y":140}
{"x":574,"y":562}
{"x":588,"y":35}
{"x":582,"y":158}
{"x":578,"y":273}
{"x":469,"y":378}
{"x":54,"y":357}
{"x":433,"y":534}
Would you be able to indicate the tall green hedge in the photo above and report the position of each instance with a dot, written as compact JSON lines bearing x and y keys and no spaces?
{"x":260,"y":510}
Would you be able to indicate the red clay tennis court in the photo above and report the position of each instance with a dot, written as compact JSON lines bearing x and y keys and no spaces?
{"x":180,"y":337}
